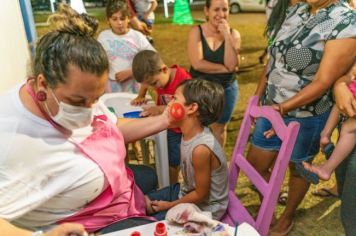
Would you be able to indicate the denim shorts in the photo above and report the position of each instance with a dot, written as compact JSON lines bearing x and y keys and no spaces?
{"x":308,"y":140}
{"x":230,"y":97}
{"x":174,"y":139}
{"x":149,"y":22}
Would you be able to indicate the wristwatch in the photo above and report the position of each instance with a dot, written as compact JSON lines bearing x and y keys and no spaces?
{"x":37,"y":233}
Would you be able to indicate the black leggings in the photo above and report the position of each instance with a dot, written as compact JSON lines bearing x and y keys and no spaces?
{"x":346,"y":182}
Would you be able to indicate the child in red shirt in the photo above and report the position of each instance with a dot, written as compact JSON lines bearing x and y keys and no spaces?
{"x":149,"y":70}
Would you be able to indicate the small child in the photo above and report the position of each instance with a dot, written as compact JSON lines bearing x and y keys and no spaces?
{"x":346,"y":142}
{"x":145,"y":11}
{"x":149,"y":69}
{"x":203,"y":163}
{"x":121,"y":45}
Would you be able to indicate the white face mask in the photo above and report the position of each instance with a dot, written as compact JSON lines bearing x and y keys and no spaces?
{"x":71,"y":117}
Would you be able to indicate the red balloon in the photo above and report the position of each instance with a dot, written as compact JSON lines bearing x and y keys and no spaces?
{"x":177,"y":111}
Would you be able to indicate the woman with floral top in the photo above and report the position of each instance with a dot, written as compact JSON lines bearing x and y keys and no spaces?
{"x":315,"y":46}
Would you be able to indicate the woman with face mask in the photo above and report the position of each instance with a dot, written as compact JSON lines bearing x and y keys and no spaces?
{"x":62,"y":152}
{"x":214,"y":55}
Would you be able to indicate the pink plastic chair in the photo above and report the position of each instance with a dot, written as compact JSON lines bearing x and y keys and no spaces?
{"x":236,"y":212}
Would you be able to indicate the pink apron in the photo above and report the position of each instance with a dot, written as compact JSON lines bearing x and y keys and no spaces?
{"x":121,"y":198}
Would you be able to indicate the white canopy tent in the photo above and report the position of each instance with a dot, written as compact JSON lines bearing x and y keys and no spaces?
{"x":14,"y":49}
{"x":77,"y":5}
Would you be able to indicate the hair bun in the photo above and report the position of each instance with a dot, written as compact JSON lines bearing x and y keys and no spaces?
{"x":67,"y":20}
{"x":92,"y":22}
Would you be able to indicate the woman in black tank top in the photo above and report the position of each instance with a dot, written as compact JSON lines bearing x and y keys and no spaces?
{"x":213,"y":52}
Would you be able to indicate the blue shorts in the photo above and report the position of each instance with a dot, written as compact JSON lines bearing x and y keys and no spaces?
{"x":170,"y":194}
{"x":149,"y":22}
{"x":308,"y":140}
{"x":230,"y":97}
{"x":173,"y":140}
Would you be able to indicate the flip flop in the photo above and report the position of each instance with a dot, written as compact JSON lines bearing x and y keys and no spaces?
{"x":282,"y":198}
{"x":306,"y":174}
{"x":324,"y":193}
{"x":328,"y":150}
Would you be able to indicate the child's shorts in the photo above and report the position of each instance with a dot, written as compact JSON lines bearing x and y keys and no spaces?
{"x":169,"y":193}
{"x":149,"y":22}
{"x":174,"y":139}
{"x":308,"y":140}
{"x":230,"y":98}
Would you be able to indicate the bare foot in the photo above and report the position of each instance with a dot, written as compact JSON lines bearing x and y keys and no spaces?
{"x":320,"y":170}
{"x":282,"y":227}
{"x":149,"y":208}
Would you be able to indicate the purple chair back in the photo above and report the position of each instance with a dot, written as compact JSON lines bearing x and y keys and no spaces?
{"x":236,"y":212}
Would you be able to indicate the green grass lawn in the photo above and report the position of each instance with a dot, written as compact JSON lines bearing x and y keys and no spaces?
{"x":315,"y":216}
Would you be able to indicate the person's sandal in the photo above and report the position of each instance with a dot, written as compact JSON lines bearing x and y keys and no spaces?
{"x":283,"y":197}
{"x":328,"y":150}
{"x":310,"y":176}
{"x":306,"y":174}
{"x":324,"y":193}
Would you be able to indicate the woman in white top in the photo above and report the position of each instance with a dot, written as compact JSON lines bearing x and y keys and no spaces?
{"x":62,"y":152}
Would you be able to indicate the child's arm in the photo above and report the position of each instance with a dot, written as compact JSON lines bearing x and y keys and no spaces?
{"x":141,"y":97}
{"x":201,"y":158}
{"x":232,"y":46}
{"x":153,"y":7}
{"x":123,"y":75}
{"x":8,"y":229}
{"x":152,"y":110}
{"x":330,"y":125}
{"x":139,"y":26}
{"x":261,"y":86}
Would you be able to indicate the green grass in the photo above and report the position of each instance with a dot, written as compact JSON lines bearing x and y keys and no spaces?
{"x":315,"y":216}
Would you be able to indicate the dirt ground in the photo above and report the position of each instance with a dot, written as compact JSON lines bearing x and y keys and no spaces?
{"x":315,"y":216}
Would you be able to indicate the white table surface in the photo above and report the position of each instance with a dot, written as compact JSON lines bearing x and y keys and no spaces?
{"x":121,"y":104}
{"x":148,"y":230}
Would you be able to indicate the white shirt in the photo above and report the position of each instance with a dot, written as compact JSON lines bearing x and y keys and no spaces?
{"x":121,"y":49}
{"x":78,"y":6}
{"x":142,"y":6}
{"x":43,"y":176}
